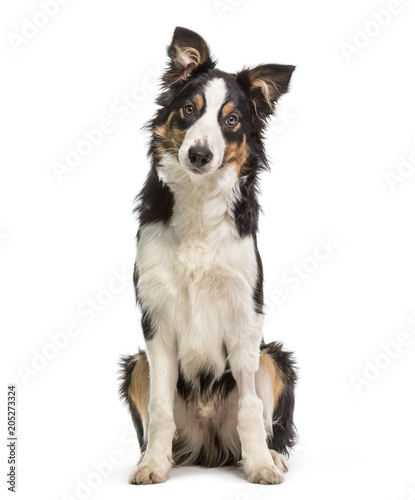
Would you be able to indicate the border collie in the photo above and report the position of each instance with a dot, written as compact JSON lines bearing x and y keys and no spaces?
{"x":208,"y":391}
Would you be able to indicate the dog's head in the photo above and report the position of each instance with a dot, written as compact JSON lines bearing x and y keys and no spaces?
{"x":209,"y":119}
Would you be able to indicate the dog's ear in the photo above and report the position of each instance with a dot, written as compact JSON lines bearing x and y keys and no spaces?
{"x":265,"y":84}
{"x":187,"y":53}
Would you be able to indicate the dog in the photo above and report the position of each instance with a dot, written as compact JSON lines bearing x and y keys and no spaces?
{"x":208,"y":391}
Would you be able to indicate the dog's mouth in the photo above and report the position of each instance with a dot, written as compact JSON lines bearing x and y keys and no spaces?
{"x":207,"y":169}
{"x":197,"y":170}
{"x":200,"y":170}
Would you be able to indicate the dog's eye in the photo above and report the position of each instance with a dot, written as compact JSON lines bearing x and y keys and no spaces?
{"x":188,"y":110}
{"x":232,"y":120}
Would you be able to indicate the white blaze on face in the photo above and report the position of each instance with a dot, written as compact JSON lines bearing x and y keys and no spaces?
{"x":207,"y":130}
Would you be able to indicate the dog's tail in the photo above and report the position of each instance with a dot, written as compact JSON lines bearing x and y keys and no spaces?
{"x":284,"y":435}
{"x":134,"y":391}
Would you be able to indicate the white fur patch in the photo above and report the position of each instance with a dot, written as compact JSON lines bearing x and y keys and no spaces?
{"x":197,"y":275}
{"x":197,"y":278}
{"x":207,"y":129}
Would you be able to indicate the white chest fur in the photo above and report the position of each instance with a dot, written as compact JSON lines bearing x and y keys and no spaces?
{"x":197,"y":275}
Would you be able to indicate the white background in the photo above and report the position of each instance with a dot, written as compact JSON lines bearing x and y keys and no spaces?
{"x":343,"y":125}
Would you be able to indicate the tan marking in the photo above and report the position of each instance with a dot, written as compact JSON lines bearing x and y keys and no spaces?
{"x":190,"y":54}
{"x":168,"y":138}
{"x":169,"y":119}
{"x":160,"y":135}
{"x":268,"y":364}
{"x":139,"y":390}
{"x":237,"y":155}
{"x":228,"y":108}
{"x":189,"y":58}
{"x":198,"y":100}
{"x":268,"y":86}
{"x":265,"y":89}
{"x":178,"y":136}
{"x":160,"y":131}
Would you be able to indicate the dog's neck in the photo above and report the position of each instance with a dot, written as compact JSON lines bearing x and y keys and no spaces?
{"x":202,"y":203}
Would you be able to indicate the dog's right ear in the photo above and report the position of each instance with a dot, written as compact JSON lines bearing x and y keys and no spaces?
{"x":187,"y":53}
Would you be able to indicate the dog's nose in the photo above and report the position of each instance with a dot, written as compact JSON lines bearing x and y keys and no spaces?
{"x":199,"y":156}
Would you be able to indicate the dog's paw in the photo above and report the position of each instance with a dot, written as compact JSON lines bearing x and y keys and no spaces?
{"x":266,"y":474}
{"x":279,"y":460}
{"x":150,"y":473}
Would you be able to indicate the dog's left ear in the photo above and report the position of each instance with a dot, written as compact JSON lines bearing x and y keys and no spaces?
{"x":265,"y":84}
{"x":187,"y":53}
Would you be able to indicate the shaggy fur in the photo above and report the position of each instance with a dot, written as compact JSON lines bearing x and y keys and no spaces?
{"x":207,"y":391}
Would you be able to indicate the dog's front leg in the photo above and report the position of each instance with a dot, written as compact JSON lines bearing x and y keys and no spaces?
{"x":257,"y":460}
{"x":156,"y":461}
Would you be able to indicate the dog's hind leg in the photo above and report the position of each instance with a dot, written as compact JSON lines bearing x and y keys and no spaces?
{"x":275,"y":383}
{"x":135,"y":391}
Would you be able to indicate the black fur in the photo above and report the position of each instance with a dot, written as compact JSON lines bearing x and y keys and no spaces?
{"x":219,"y":458}
{"x":155,"y":200}
{"x":204,"y":387}
{"x":146,"y":325}
{"x":127,"y":364}
{"x":284,"y":434}
{"x":259,"y":288}
{"x":135,"y":281}
{"x":212,"y":454}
